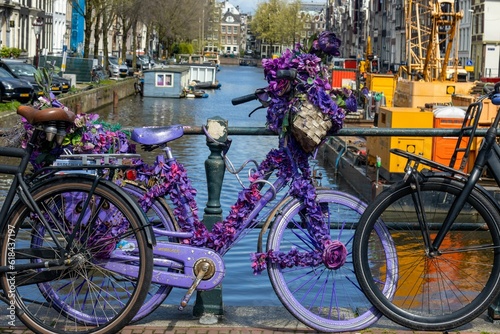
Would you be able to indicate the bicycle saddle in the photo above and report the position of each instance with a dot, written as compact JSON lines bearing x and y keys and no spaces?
{"x":157,"y":135}
{"x":35,"y":116}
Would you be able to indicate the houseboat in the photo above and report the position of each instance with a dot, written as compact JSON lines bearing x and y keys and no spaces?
{"x":203,"y":76}
{"x":169,"y":81}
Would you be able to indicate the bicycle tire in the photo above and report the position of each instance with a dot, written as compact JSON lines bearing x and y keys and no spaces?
{"x":325,"y":299}
{"x":159,"y":216}
{"x":108,"y":282}
{"x":433,"y":292}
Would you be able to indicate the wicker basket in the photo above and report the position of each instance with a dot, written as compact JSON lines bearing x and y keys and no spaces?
{"x":310,"y":126}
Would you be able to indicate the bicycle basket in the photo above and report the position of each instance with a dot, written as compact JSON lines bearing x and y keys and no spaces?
{"x":310,"y":126}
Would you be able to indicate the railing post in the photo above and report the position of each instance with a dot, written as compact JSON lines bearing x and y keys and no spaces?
{"x":209,"y":303}
{"x":494,"y":311}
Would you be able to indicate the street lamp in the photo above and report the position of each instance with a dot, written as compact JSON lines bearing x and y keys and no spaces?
{"x":37,"y":29}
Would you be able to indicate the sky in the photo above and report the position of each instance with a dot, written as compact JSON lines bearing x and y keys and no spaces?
{"x":249,"y":6}
{"x":246,"y":6}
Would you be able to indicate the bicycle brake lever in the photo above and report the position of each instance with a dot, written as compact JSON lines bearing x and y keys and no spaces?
{"x":261,"y":107}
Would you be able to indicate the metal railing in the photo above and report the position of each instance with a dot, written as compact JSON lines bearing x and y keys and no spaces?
{"x":351,"y":131}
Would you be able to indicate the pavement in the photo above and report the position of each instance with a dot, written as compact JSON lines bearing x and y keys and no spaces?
{"x":267,"y":320}
{"x":258,"y":320}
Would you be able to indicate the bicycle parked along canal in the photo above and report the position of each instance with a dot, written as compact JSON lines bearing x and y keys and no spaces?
{"x":66,"y":240}
{"x":308,"y":255}
{"x":445,"y":228}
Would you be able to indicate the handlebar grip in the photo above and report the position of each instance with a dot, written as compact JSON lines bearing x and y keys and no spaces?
{"x":243,"y":99}
{"x":286,"y":74}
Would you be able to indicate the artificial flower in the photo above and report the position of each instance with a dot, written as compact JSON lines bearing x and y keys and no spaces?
{"x":313,"y":83}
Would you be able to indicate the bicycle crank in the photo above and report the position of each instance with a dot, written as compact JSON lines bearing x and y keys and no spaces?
{"x":203,"y":269}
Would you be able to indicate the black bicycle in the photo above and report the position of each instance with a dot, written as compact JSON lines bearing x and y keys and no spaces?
{"x":75,"y":255}
{"x":97,"y":74}
{"x":446,"y":231}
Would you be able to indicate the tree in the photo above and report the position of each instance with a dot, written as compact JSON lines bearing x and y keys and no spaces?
{"x":294,"y":23}
{"x":277,"y":22}
{"x":177,"y":21}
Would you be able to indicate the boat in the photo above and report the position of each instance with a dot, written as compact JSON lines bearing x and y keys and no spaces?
{"x":206,"y":84}
{"x":347,"y":155}
{"x":204,"y":76}
{"x":194,"y":93}
{"x":248,"y":61}
{"x":166,"y":81}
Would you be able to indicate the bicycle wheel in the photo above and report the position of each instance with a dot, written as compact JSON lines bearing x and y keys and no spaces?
{"x":435,"y":290}
{"x":109,"y":263}
{"x":324,"y":298}
{"x":161,"y":218}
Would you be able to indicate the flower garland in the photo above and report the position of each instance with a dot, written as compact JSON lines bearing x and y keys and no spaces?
{"x":88,"y":135}
{"x":312,"y":84}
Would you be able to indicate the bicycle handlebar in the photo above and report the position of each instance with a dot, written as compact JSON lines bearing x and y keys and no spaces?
{"x":290,"y":74}
{"x":492,"y":93}
{"x":244,"y":99}
{"x":259,"y":94}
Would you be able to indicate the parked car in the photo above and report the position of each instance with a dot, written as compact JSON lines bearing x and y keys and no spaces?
{"x":22,"y":70}
{"x":65,"y":83}
{"x":146,"y":62}
{"x":12,"y":88}
{"x":115,"y":69}
{"x":142,"y":62}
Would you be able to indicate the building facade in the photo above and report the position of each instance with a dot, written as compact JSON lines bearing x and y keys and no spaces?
{"x":476,"y":40}
{"x":228,"y":31}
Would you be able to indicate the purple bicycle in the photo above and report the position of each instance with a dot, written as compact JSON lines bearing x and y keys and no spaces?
{"x":308,"y":255}
{"x":309,"y":231}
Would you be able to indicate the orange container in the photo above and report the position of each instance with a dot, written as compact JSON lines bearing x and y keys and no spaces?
{"x":343,"y":78}
{"x":444,"y":147}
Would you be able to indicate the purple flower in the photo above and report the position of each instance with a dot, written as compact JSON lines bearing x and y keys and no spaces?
{"x":329,"y":43}
{"x":335,"y":254}
{"x":312,"y":83}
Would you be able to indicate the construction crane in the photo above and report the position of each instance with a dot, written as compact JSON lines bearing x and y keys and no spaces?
{"x":430,"y":31}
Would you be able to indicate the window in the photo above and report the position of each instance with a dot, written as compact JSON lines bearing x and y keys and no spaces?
{"x":235,"y":30}
{"x":164,"y":80}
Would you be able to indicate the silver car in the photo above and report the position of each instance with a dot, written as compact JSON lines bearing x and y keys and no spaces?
{"x":115,"y":69}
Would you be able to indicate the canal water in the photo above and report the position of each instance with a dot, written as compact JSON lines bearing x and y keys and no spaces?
{"x":240,"y":286}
